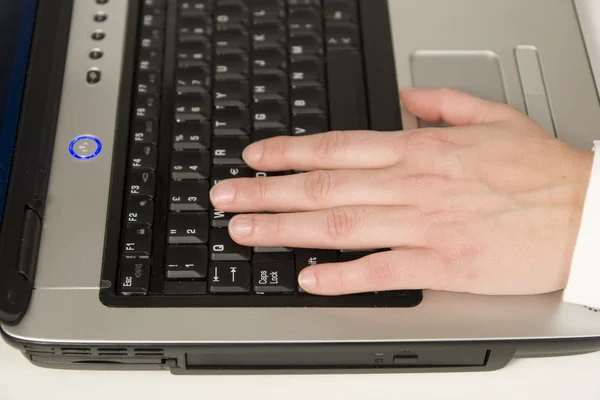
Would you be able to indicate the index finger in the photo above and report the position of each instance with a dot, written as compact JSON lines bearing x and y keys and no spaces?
{"x":331,"y":150}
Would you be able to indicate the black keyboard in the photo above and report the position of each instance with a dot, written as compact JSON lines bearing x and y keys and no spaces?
{"x":212,"y":76}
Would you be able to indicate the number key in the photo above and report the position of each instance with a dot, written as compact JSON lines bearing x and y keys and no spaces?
{"x":190,"y":165}
{"x":187,"y":228}
{"x":189,"y":196}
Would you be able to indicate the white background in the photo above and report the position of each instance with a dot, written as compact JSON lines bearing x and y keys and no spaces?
{"x":572,"y":378}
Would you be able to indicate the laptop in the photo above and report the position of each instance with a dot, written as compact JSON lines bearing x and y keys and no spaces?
{"x":118,"y":116}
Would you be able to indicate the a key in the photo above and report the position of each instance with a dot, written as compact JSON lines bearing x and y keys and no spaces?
{"x":185,"y":288}
{"x":140,"y":210}
{"x":152,"y":38}
{"x":232,"y":12}
{"x":222,"y":172}
{"x":190,"y":165}
{"x":307,"y":72}
{"x":145,"y":131}
{"x":195,"y":7}
{"x":194,"y":53}
{"x":147,"y":106}
{"x":307,"y":257}
{"x":266,"y":10}
{"x":141,"y":183}
{"x":189,"y":196}
{"x":194,"y":28}
{"x":193,"y":106}
{"x":342,"y":35}
{"x":232,"y":38}
{"x":231,"y":121}
{"x":150,"y":60}
{"x":134,"y":278}
{"x":305,"y":18}
{"x":270,"y":115}
{"x":193,"y":79}
{"x":230,"y":277}
{"x":228,"y":150}
{"x":148,"y":82}
{"x":187,"y":228}
{"x":191,"y":135}
{"x":305,"y":43}
{"x":223,"y":248}
{"x":154,"y":3}
{"x":272,"y":250}
{"x":304,"y":3}
{"x":269,"y":58}
{"x":308,"y":124}
{"x":153,"y":17}
{"x":220,"y":219}
{"x":270,"y":85}
{"x":274,"y":273}
{"x":268,"y":33}
{"x":143,"y":157}
{"x":262,"y":134}
{"x":232,"y":93}
{"x":341,"y":10}
{"x":186,"y":262}
{"x":266,"y":174}
{"x":309,"y":100}
{"x":231,"y":66}
{"x":137,"y":241}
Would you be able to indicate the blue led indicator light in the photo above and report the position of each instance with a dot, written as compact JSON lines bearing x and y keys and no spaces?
{"x":85,"y":147}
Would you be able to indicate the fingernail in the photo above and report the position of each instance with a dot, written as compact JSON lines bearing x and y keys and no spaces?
{"x":307,"y":279}
{"x":241,"y":226}
{"x":222,"y":193}
{"x":253,"y":153}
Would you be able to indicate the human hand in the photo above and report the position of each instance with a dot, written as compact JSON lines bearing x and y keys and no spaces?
{"x":491,"y":205}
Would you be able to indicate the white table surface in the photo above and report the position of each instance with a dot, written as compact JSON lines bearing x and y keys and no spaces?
{"x":573,"y":378}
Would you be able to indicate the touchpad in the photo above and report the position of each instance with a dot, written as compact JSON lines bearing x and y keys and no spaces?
{"x":474,"y":72}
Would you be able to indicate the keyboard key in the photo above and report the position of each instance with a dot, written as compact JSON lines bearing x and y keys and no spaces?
{"x":193,"y":28}
{"x":232,"y":38}
{"x":307,"y":72}
{"x":189,"y":196}
{"x":190,"y":165}
{"x":152,"y":38}
{"x":303,"y":3}
{"x":262,"y":134}
{"x":309,"y":100}
{"x":141,"y":183}
{"x":223,"y":172}
{"x":308,"y":257}
{"x":230,"y":277}
{"x":185,"y":288}
{"x":223,"y":248}
{"x":270,"y":85}
{"x":148,"y":82}
{"x":191,"y":135}
{"x":140,"y":210}
{"x":231,"y":66}
{"x":232,"y":12}
{"x":268,"y":33}
{"x":137,"y":241}
{"x":269,"y":58}
{"x":270,"y":115}
{"x":346,"y":256}
{"x":228,"y":150}
{"x":231,"y":122}
{"x":272,"y":250}
{"x":145,"y":131}
{"x":220,"y":219}
{"x":150,"y":60}
{"x":195,"y":7}
{"x":143,"y":157}
{"x":341,"y":10}
{"x":264,"y":174}
{"x":153,"y":17}
{"x":194,"y":53}
{"x":134,"y":278}
{"x":193,"y":79}
{"x":342,"y":35}
{"x":193,"y":106}
{"x":186,"y":262}
{"x":305,"y":18}
{"x":187,"y":228}
{"x":232,"y":93}
{"x":274,"y":273}
{"x":305,"y":43}
{"x":308,"y":124}
{"x":147,"y":106}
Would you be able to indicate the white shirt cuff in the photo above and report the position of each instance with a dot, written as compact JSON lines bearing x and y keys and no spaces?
{"x":583,"y":287}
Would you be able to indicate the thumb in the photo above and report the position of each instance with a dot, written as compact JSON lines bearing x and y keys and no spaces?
{"x":453,"y":107}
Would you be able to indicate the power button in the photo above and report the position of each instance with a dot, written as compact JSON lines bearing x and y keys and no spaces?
{"x":85,"y":147}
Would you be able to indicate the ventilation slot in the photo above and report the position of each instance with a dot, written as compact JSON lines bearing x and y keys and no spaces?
{"x":149,"y":352}
{"x":39,"y":351}
{"x":119,"y":352}
{"x":75,"y":351}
